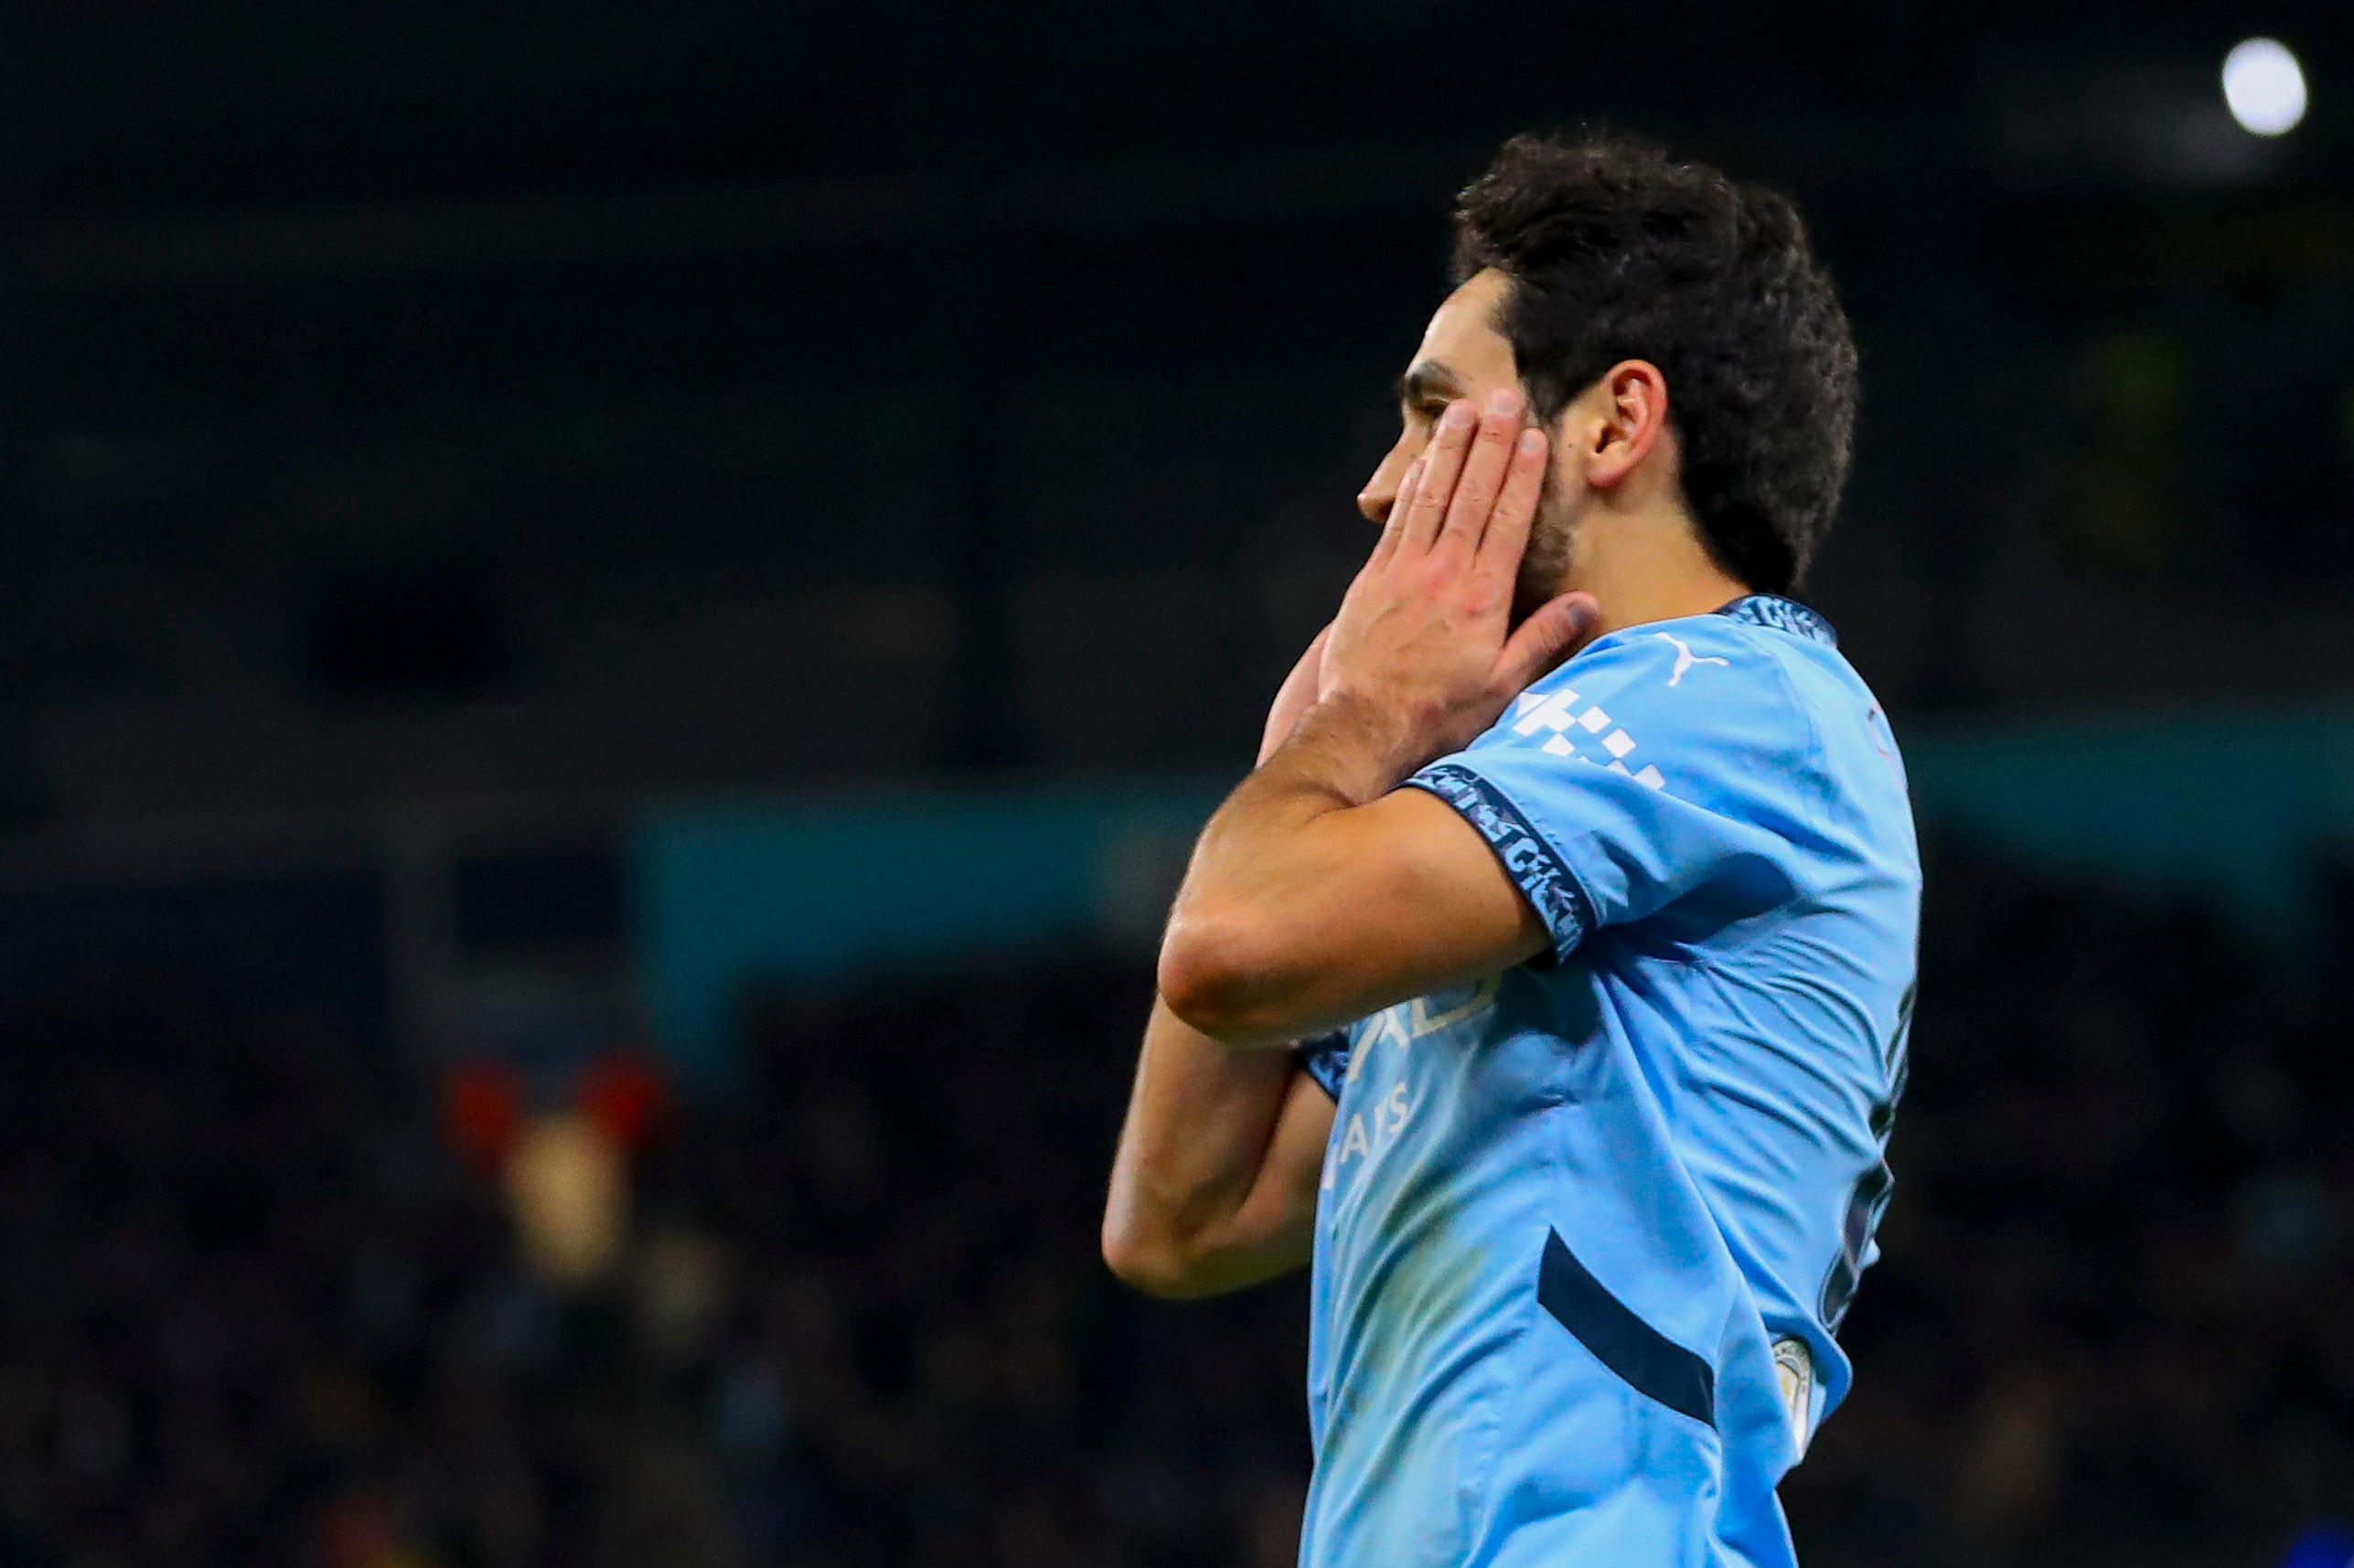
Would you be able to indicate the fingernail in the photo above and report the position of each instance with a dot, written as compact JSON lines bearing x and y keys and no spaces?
{"x":1459,"y":415}
{"x":1532,"y":443}
{"x":1504,"y":401}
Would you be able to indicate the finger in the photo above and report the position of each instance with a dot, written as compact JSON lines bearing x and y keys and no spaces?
{"x":1442,"y":460}
{"x":1514,"y":512}
{"x":1485,"y":466}
{"x":1555,"y":631}
{"x":1394,"y":524}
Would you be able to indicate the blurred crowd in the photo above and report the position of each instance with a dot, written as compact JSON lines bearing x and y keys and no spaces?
{"x":257,"y":1309}
{"x":261,"y":1308}
{"x":2111,"y":1325}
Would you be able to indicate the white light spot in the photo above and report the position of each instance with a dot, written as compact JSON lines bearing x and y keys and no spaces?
{"x":2264,"y":87}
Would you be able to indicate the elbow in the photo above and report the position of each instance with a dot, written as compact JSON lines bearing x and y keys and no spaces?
{"x":1219,"y":974}
{"x":1143,"y":1267}
{"x":1152,"y":1262}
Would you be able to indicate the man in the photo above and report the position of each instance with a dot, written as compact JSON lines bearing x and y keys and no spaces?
{"x":1605,"y":964}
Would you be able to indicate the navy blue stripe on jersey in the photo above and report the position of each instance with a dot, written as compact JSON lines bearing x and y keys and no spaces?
{"x":1530,"y":862}
{"x":1326,"y":1060}
{"x":1651,"y":1363}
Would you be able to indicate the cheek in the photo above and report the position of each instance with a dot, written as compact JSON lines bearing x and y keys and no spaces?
{"x":1545,"y":565}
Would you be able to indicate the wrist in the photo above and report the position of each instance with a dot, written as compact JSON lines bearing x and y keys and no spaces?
{"x":1360,"y":747}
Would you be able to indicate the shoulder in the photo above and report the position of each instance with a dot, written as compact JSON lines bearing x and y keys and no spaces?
{"x":1704,"y":699}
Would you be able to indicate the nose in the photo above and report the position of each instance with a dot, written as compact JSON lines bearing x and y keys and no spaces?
{"x":1380,"y":493}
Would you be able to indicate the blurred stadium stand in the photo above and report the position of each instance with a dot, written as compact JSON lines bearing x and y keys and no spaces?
{"x":260,"y":1313}
{"x":431,"y":404}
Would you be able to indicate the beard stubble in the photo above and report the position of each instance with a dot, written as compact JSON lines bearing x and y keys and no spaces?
{"x":1545,"y":564}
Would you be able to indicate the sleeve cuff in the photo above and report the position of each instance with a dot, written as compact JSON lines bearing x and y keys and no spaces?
{"x":1326,"y":1060}
{"x":1533,"y":864}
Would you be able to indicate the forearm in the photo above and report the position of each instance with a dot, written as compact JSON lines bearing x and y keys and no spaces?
{"x":1344,"y":751}
{"x":1204,"y":1193}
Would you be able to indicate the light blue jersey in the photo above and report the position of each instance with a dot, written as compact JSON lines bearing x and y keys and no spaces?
{"x":1586,"y":1229}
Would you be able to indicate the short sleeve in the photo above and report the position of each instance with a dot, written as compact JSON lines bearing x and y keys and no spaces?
{"x":1326,"y":1060}
{"x":1664,"y":765}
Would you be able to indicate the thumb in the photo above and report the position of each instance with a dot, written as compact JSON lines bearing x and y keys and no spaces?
{"x":1555,"y":631}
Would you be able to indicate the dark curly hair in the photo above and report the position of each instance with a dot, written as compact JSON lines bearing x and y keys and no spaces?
{"x":1616,"y":251}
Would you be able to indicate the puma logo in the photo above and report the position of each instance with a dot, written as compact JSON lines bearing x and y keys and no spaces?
{"x":1685,"y":657}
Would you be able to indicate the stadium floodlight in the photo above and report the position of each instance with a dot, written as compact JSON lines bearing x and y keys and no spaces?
{"x":2265,"y":86}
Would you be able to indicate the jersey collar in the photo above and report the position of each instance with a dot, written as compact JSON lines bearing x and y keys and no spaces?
{"x":1782,"y":615}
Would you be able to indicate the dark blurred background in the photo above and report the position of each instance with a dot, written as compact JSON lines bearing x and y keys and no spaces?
{"x":614,"y":619}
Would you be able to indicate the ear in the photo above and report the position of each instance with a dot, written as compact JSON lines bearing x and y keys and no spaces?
{"x":1631,"y":414}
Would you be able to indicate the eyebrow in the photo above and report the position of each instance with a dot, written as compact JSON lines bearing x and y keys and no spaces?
{"x":1430,"y":381}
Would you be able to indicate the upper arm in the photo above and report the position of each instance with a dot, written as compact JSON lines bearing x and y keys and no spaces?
{"x":1613,"y":788}
{"x":1400,"y":898}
